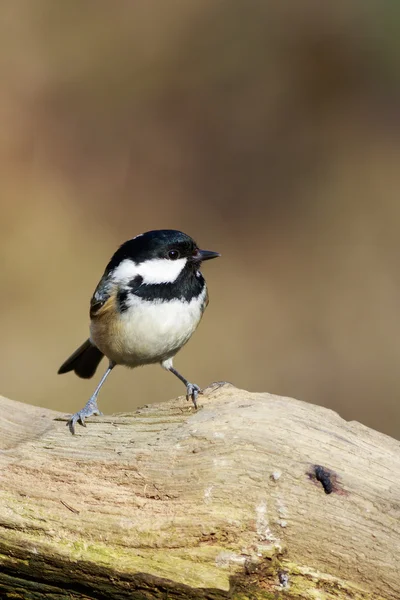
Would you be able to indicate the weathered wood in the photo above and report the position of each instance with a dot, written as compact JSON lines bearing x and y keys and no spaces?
{"x":223,"y":502}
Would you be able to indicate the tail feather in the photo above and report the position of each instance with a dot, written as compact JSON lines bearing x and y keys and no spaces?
{"x":84,"y":361}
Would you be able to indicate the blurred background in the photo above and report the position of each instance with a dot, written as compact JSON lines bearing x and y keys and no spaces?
{"x":269,"y":131}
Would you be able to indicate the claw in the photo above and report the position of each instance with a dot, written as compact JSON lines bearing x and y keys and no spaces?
{"x":76,"y":418}
{"x":192,"y":392}
{"x":88,"y":410}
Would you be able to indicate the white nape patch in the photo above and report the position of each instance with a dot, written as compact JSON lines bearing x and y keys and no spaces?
{"x":138,"y":236}
{"x":154,"y":271}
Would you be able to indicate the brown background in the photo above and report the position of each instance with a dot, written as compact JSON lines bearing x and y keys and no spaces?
{"x":268,"y":131}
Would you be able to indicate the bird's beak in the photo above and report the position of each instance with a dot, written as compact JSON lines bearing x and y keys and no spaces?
{"x":205,"y":255}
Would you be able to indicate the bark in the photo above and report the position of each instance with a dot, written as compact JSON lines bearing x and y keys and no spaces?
{"x":252,"y":496}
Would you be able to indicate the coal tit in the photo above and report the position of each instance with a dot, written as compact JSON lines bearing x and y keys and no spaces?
{"x":146,"y":306}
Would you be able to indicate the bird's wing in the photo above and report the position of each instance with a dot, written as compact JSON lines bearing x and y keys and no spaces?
{"x":104,"y":292}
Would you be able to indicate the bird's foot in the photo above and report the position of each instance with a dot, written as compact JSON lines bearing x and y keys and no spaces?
{"x":192,"y":392}
{"x":88,"y":410}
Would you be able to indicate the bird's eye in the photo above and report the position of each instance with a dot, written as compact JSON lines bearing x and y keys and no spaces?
{"x":173,"y":254}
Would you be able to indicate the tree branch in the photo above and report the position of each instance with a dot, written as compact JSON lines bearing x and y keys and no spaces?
{"x":251,"y":496}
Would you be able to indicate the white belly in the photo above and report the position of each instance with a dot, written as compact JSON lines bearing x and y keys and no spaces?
{"x":149,"y":332}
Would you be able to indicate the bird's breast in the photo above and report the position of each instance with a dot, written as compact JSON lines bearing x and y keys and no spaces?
{"x":147,"y":331}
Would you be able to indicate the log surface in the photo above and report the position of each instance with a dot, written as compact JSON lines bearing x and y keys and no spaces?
{"x":252,"y":496}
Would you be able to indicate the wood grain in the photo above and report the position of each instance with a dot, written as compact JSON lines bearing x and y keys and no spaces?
{"x":223,"y":502}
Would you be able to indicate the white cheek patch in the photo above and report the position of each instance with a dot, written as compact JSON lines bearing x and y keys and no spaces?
{"x":125,"y":271}
{"x":154,"y":271}
{"x":161,"y":270}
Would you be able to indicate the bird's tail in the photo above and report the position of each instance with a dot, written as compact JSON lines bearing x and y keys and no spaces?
{"x":84,"y":361}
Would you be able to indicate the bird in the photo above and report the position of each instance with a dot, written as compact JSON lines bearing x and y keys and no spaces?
{"x":145,"y":308}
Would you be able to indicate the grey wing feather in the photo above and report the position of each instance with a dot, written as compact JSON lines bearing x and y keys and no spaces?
{"x":101,"y":294}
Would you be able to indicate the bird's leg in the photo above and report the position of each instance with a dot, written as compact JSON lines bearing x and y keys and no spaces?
{"x":192,"y":390}
{"x":90,"y":407}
